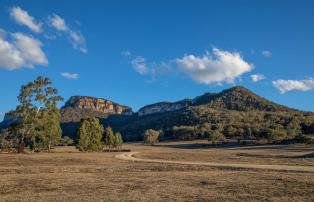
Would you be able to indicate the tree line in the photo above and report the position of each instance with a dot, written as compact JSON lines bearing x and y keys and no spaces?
{"x":199,"y":122}
{"x":38,"y":120}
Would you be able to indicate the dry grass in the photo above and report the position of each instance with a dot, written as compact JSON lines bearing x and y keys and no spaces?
{"x":201,"y":151}
{"x":68,"y":176}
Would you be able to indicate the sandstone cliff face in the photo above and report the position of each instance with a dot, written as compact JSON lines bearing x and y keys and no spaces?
{"x":164,"y":107}
{"x":78,"y":107}
{"x":97,"y":104}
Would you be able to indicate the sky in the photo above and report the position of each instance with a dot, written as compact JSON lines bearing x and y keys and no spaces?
{"x":141,"y":52}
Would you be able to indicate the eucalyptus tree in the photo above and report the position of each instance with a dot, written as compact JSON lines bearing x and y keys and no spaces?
{"x":37,"y":112}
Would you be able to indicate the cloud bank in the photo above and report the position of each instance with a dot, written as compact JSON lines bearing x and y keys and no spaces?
{"x":285,"y":86}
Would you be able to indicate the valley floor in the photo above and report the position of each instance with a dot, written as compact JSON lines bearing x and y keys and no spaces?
{"x":68,"y":175}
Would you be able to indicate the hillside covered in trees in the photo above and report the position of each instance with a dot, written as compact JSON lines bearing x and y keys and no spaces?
{"x":236,"y":113}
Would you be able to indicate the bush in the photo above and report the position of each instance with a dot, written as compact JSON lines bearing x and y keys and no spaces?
{"x":276,"y":135}
{"x":7,"y":142}
{"x":184,"y":132}
{"x":66,"y":141}
{"x":151,"y":136}
{"x":304,"y":139}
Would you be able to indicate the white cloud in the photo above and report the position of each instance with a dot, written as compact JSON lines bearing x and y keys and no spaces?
{"x":216,"y":67}
{"x":126,"y":53}
{"x":294,"y":85}
{"x":22,"y":17}
{"x":144,"y":68}
{"x":257,"y":77}
{"x":267,"y":53}
{"x":30,"y":49}
{"x":139,"y":64}
{"x":78,"y":41}
{"x":57,"y":22}
{"x":21,"y":51}
{"x":70,"y":75}
{"x":76,"y":38}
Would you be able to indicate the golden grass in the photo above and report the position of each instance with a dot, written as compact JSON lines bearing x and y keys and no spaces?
{"x":70,"y":176}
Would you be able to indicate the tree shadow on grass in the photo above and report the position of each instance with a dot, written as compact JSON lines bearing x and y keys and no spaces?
{"x":237,"y":146}
{"x":203,"y":145}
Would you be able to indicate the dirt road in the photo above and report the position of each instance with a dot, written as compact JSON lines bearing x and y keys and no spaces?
{"x":129,"y":156}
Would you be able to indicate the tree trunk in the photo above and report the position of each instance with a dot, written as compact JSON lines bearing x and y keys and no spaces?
{"x":49,"y":146}
{"x":20,"y":148}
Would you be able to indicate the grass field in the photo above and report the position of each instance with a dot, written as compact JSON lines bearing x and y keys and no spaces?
{"x":67,"y":175}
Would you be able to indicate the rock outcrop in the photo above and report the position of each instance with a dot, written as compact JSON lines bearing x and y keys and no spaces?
{"x":78,"y":107}
{"x":164,"y":107}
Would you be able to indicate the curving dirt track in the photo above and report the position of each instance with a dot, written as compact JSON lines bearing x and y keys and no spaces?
{"x":129,"y":156}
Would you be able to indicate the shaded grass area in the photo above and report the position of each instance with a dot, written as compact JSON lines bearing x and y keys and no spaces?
{"x":201,"y":151}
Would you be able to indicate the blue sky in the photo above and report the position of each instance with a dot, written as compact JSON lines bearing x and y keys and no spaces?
{"x":140,"y":52}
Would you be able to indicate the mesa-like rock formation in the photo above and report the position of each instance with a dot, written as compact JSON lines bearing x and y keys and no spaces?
{"x":78,"y":107}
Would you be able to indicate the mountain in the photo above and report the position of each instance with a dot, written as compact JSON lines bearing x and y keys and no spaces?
{"x":240,"y":99}
{"x":237,"y":107}
{"x":237,"y":98}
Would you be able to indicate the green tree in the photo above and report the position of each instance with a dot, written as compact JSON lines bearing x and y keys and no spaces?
{"x":216,"y":136}
{"x":151,"y":136}
{"x":66,"y":141}
{"x":109,"y":138}
{"x":36,"y":98}
{"x":275,"y":135}
{"x":50,"y":132}
{"x":184,"y":132}
{"x":202,"y":130}
{"x":230,"y":131}
{"x":90,"y":135}
{"x":118,"y":140}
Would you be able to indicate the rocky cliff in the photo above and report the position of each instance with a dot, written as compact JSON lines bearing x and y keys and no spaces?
{"x":78,"y":107}
{"x":164,"y":107}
